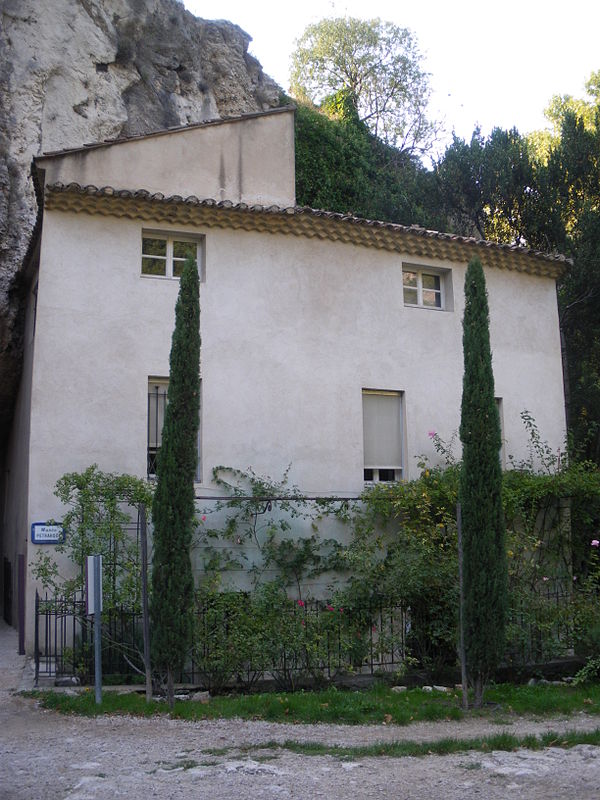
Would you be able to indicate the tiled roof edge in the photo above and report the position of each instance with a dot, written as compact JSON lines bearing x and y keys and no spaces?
{"x":412,"y":230}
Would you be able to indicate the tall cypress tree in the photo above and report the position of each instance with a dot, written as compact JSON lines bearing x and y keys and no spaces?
{"x":173,"y":506}
{"x":485,"y":600}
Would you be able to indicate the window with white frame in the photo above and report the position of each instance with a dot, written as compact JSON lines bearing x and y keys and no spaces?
{"x":424,"y":288}
{"x":383,"y":435}
{"x":157,"y":404}
{"x":163,"y":256}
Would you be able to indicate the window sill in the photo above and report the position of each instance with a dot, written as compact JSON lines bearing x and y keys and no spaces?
{"x":426,"y":308}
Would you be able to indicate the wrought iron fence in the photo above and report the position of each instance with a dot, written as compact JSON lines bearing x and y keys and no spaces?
{"x":540,"y":627}
{"x":234,"y":646}
{"x":64,"y":640}
{"x":311,"y":640}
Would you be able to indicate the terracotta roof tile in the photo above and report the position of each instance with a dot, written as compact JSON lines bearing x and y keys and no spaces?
{"x":302,"y":220}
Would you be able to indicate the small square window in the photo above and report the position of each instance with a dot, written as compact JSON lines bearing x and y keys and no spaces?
{"x":423,"y":288}
{"x":164,"y":256}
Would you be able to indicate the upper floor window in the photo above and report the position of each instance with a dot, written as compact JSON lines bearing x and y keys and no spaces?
{"x":164,"y":256}
{"x":422,"y":288}
{"x":427,"y":287}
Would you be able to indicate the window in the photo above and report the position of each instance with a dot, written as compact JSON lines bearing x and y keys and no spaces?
{"x":383,"y":438}
{"x":423,"y":288}
{"x":164,"y":256}
{"x":157,"y":403}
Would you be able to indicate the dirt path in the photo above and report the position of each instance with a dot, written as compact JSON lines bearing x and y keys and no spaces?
{"x":52,"y":757}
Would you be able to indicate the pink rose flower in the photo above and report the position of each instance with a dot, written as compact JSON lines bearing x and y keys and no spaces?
{"x":595,"y":543}
{"x":301,"y":603}
{"x":330,"y":608}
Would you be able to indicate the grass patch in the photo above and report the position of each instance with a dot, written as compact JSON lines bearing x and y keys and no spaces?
{"x":375,"y":706}
{"x":545,"y":700}
{"x":441,"y":747}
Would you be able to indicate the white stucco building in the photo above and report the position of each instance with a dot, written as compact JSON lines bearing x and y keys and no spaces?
{"x":330,"y":343}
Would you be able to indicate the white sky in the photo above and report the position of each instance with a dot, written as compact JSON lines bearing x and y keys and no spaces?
{"x":491,"y":63}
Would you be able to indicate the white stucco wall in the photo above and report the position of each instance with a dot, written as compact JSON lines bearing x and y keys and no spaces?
{"x":249,"y":160}
{"x":292,"y":330}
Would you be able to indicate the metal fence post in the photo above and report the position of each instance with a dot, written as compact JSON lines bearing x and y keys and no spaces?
{"x":98,"y":629}
{"x":36,"y":644}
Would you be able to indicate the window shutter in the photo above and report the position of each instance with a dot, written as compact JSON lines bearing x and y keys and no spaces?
{"x":382,"y":429}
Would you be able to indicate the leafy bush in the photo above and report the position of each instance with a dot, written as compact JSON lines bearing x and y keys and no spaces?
{"x":98,"y":520}
{"x":243,"y":636}
{"x":403,"y":553}
{"x":227,"y":639}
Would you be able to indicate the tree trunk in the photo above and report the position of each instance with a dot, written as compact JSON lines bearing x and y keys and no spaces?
{"x":478,"y":686}
{"x":145,"y":614}
{"x":461,"y":636}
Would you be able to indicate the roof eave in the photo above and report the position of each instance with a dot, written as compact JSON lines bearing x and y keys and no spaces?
{"x":300,"y":221}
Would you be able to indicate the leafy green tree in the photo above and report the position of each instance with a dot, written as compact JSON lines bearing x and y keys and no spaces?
{"x":583,"y":108}
{"x":460,"y":179}
{"x":100,"y":509}
{"x":489,"y":187}
{"x":173,"y":509}
{"x":341,"y":166}
{"x":484,"y":606}
{"x":572,"y":214}
{"x":378,"y":65}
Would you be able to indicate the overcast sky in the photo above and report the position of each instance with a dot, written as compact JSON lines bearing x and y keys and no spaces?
{"x":490,"y":63}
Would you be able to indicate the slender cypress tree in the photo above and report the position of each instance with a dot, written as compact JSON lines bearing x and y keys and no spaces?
{"x":173,"y":506}
{"x":484,"y":563}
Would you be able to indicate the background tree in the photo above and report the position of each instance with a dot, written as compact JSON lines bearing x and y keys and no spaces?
{"x":379,"y":66}
{"x":341,"y":166}
{"x":488,"y":187}
{"x":173,"y":507}
{"x":484,"y":566}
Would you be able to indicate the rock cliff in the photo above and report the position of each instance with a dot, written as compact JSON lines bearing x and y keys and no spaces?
{"x":77,"y":71}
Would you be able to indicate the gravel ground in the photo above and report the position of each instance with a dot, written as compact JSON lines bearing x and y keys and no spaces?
{"x":52,"y":757}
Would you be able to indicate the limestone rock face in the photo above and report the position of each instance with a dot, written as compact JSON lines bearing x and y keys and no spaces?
{"x":77,"y":71}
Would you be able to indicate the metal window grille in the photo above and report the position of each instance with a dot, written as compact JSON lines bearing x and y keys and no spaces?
{"x":157,"y":403}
